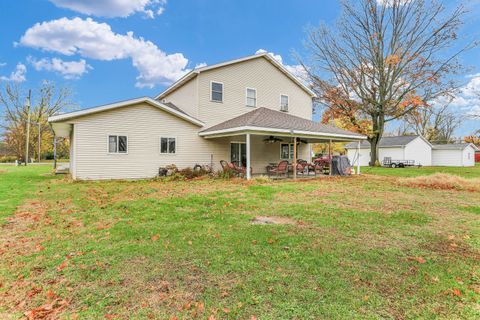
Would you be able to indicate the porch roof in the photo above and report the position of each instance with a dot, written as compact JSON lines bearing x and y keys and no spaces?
{"x":274,"y":122}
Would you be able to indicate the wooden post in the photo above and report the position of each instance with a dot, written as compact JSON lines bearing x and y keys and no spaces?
{"x":294,"y":158}
{"x":249,"y":174}
{"x":27,"y":138}
{"x":39,"y":140}
{"x":330,"y":157}
{"x":54,"y":152}
{"x":358,"y":157}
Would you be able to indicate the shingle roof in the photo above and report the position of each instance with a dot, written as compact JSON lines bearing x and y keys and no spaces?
{"x":272,"y":119}
{"x":399,"y":141}
{"x":456,"y":146}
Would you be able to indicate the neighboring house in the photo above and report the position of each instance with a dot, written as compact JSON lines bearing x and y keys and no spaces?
{"x":454,"y":155}
{"x":414,"y":148}
{"x":229,"y":111}
{"x":418,"y":149}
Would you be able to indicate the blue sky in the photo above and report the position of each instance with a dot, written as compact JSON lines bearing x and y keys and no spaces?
{"x":87,"y":44}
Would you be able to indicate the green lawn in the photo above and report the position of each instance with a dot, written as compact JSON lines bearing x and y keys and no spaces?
{"x":16,"y":183}
{"x":360,"y":247}
{"x":468,"y":172}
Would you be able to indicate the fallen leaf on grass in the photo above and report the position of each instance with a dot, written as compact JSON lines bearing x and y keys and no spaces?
{"x":155,"y":237}
{"x":47,"y":311}
{"x":62,"y":266}
{"x":418,"y":259}
{"x":456,"y":292}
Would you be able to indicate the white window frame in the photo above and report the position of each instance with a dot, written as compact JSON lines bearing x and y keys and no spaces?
{"x":211,"y":91}
{"x":168,"y":146}
{"x":290,"y":151}
{"x":117,"y":135}
{"x":246,"y":97}
{"x":288,"y":102}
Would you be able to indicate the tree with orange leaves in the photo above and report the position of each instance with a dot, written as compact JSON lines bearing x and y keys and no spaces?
{"x":385,"y":60}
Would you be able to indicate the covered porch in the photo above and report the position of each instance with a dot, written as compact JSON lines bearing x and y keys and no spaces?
{"x":265,"y":137}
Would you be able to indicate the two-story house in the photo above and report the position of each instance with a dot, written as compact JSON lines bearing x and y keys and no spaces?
{"x":250,"y":111}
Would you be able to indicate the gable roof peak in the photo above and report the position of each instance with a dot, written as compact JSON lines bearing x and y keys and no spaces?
{"x":192,"y":74}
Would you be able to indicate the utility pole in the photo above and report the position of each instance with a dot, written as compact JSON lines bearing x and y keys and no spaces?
{"x":28,"y":127}
{"x":39,"y":139}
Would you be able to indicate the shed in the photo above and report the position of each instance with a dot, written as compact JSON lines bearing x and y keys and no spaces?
{"x":454,"y":155}
{"x":414,"y":148}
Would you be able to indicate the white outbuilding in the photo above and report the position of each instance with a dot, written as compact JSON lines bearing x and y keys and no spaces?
{"x":400,"y":148}
{"x":415,"y":149}
{"x":454,"y":155}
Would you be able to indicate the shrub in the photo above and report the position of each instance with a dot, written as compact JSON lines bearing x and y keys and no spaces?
{"x":225,"y":174}
{"x":442,"y":181}
{"x":6,"y":159}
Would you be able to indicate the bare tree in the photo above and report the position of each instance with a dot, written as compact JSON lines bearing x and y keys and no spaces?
{"x":437,"y":123}
{"x":385,"y":60}
{"x":47,"y":100}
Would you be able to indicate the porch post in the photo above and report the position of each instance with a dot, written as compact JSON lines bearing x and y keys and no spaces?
{"x":294,"y":157}
{"x":54,"y":152}
{"x":330,"y":157}
{"x":247,"y":140}
{"x":358,"y":157}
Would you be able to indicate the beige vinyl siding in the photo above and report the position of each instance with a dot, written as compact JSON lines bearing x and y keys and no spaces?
{"x":185,"y":97}
{"x":259,"y":74}
{"x":143,"y":125}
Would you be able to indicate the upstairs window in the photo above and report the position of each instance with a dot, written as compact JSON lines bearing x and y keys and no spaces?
{"x":283,"y":103}
{"x":168,"y":145}
{"x":117,"y":144}
{"x":251,"y":97}
{"x":216,"y":94}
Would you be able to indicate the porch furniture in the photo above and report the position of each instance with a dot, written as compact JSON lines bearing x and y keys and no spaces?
{"x":241,"y":171}
{"x":282,"y":168}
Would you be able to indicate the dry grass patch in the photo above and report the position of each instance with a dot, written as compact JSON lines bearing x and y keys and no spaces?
{"x":442,"y":181}
{"x":272,"y":220}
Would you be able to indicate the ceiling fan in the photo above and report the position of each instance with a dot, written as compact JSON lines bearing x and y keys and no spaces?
{"x":272,"y":139}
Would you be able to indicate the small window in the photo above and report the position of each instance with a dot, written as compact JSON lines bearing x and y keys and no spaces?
{"x":283,"y":102}
{"x":217,"y":91}
{"x":168,"y":145}
{"x":251,"y":97}
{"x":117,"y":144}
{"x":286,"y":151}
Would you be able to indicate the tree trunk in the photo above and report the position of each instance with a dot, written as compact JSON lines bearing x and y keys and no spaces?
{"x":378,"y":124}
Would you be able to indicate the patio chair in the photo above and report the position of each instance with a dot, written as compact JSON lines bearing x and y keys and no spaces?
{"x":241,"y":171}
{"x":282,"y":168}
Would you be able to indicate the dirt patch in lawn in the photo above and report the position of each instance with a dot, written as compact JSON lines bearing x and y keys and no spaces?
{"x":442,"y":181}
{"x":272,"y":220}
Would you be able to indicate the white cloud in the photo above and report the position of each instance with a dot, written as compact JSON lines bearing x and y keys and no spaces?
{"x":68,"y":69}
{"x":94,"y":40}
{"x":467,"y":101}
{"x":114,"y":8}
{"x":18,"y":75}
{"x":200,"y":65}
{"x":390,"y":3}
{"x":296,"y":69}
{"x":3,"y":64}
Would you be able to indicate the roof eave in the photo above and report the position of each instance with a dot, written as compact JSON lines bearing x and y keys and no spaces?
{"x":155,"y":103}
{"x":289,"y":132}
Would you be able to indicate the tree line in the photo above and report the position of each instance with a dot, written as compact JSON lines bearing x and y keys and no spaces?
{"x":26,"y":111}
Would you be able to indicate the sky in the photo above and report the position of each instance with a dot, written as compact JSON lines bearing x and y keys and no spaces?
{"x":113,"y":50}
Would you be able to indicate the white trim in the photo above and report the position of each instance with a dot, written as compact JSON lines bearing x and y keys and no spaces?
{"x":265,"y":55}
{"x":286,"y":131}
{"x":168,"y":147}
{"x":246,"y":97}
{"x":117,"y":135}
{"x":155,"y":103}
{"x":211,"y":91}
{"x":249,"y":164}
{"x":288,"y":102}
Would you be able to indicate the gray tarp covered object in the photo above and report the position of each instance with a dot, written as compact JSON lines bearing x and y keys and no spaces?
{"x":341,"y":166}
